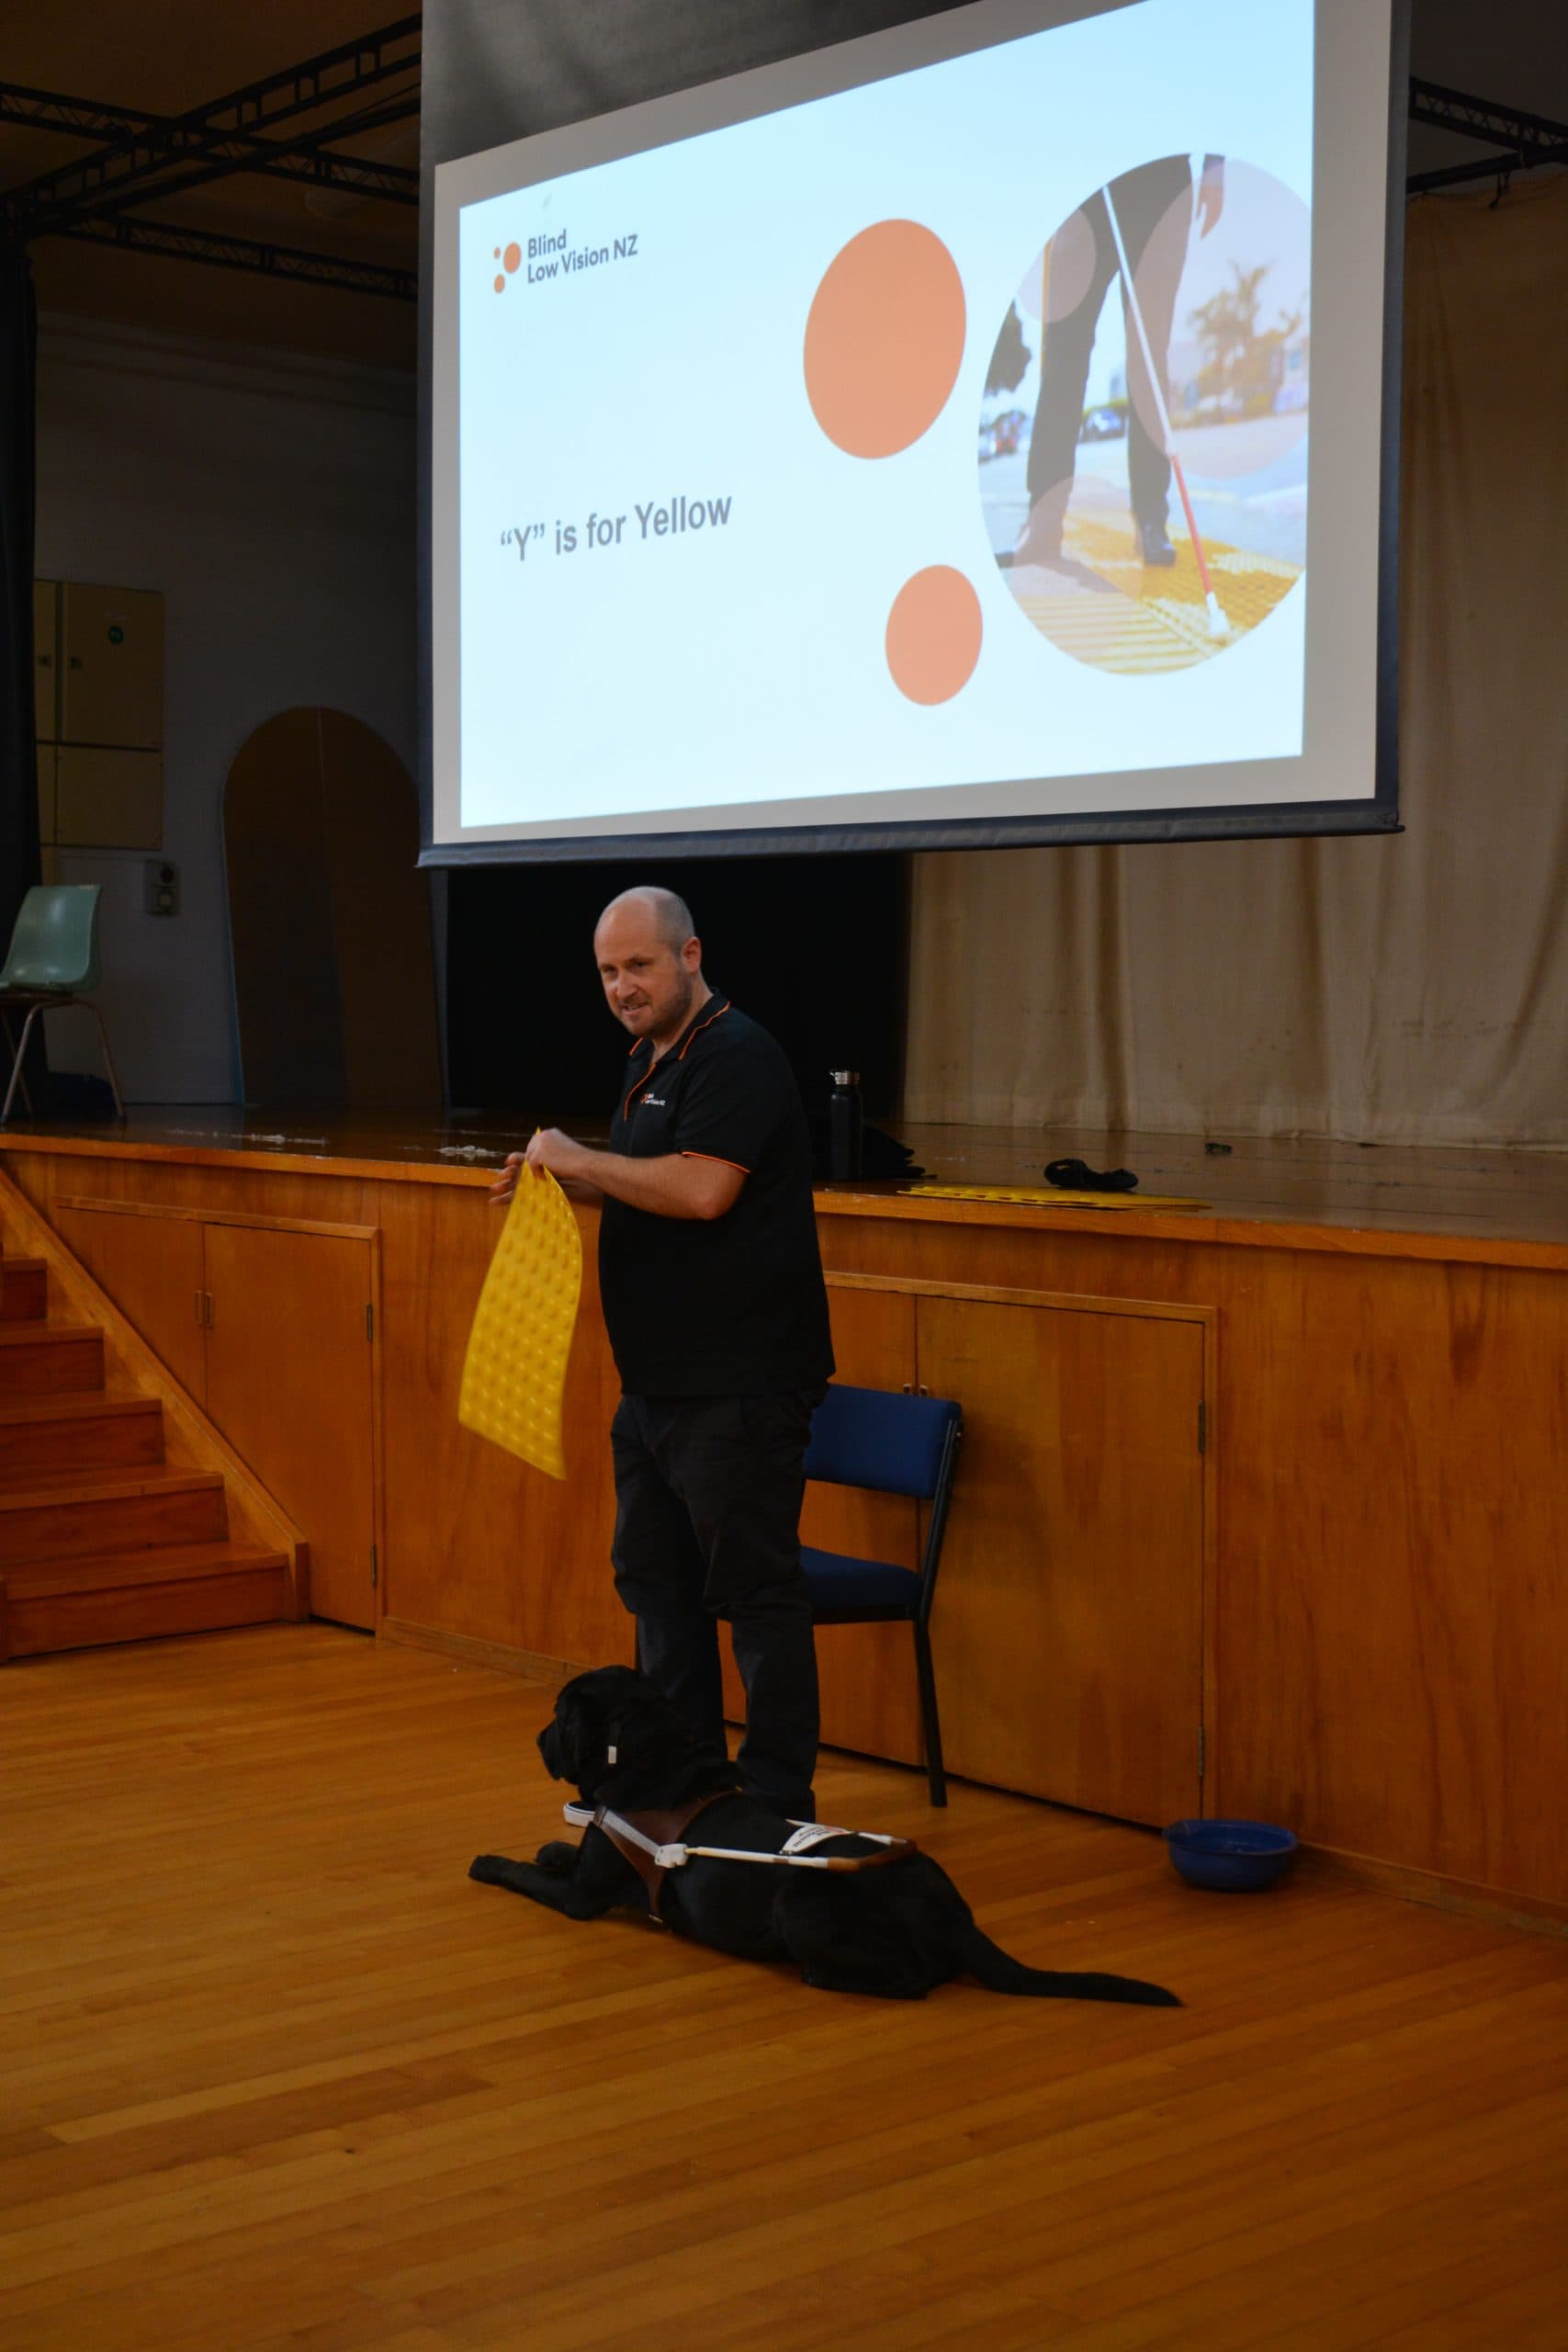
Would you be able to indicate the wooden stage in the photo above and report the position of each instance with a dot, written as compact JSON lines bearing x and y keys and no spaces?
{"x":278,"y":2075}
{"x":1258,"y":1509}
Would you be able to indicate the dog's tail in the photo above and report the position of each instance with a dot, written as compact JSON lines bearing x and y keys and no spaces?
{"x":999,"y":1972}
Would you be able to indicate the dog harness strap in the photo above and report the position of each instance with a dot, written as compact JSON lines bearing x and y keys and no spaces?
{"x":652,"y":1839}
{"x":646,"y":1838}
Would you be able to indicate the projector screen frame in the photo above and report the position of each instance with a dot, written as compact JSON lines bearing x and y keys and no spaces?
{"x":1377,"y":812}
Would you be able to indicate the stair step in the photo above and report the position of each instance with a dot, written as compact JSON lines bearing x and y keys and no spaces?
{"x":47,"y":1359}
{"x":50,"y":1436}
{"x":24,"y":1290}
{"x":102,"y":1571}
{"x":90,"y":1478}
{"x":186,"y":1588}
{"x":128,"y":1509}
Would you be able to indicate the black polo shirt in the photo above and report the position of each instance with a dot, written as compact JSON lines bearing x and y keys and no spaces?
{"x":732,"y":1306}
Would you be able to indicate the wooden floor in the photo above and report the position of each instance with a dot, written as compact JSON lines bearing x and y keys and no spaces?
{"x":276,"y":2073}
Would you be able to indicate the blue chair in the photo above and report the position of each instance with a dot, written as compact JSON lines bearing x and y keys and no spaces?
{"x":53,"y":962}
{"x":893,"y":1444}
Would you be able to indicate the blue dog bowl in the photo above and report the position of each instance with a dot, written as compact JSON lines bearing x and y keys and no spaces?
{"x":1236,"y":1856}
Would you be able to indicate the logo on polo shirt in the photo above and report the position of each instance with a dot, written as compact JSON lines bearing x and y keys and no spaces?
{"x":653,"y":1101}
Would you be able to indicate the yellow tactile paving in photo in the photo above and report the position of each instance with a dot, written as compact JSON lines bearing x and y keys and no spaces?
{"x":1104,"y":607}
{"x":1052,"y":1196}
{"x":514,"y":1372}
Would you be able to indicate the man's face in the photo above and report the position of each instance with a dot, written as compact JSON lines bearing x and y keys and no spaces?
{"x":648,"y":985}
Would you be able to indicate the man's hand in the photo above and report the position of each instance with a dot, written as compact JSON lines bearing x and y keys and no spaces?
{"x":505,"y":1184}
{"x":550,"y":1149}
{"x":1212,"y":193}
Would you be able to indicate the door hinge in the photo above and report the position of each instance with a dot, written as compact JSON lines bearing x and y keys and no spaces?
{"x":1202,"y":1427}
{"x":369,"y":1320}
{"x":1203,"y":1750}
{"x":375,"y":1568}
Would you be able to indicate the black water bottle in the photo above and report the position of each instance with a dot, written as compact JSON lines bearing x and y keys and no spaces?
{"x":846,"y":1122}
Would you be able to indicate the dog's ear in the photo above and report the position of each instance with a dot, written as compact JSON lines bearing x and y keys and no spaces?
{"x":566,"y":1742}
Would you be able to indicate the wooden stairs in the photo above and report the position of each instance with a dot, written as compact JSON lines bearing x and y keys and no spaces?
{"x":124,"y":1514}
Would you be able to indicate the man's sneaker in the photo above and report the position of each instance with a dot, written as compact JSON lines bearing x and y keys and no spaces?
{"x":1153,"y":541}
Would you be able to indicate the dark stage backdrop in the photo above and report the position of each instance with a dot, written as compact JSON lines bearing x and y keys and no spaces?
{"x":819,"y":960}
{"x":814,"y":948}
{"x":18,"y":754}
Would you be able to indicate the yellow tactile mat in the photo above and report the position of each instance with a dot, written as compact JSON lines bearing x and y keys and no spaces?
{"x":514,"y":1372}
{"x":1108,"y":611}
{"x":1048,"y":1196}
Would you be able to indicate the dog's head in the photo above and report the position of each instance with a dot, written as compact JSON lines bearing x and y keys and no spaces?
{"x":605,"y":1721}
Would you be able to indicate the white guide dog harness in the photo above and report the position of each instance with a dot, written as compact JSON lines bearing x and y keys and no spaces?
{"x":654,"y":1843}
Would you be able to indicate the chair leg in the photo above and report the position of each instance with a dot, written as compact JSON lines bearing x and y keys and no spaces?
{"x":11,"y":1050}
{"x":33,"y":1012}
{"x":109,"y":1057}
{"x":927,"y":1681}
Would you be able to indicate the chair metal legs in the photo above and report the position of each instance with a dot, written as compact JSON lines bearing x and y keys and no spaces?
{"x":932,"y":1729}
{"x":20,"y":1053}
{"x":109,"y":1057}
{"x":17,"y":1060}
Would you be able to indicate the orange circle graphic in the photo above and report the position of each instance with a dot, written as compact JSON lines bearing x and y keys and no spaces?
{"x":933,"y":634}
{"x":511,"y":257}
{"x":883,"y":339}
{"x":501,"y":285}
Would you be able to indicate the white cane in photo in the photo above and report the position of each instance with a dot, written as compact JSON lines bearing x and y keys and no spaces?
{"x":1218,"y":627}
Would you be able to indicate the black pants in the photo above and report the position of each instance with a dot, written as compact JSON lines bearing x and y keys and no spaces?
{"x":707,"y":1525}
{"x":1146,"y":201}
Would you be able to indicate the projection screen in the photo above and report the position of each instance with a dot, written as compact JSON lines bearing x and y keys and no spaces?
{"x":980,"y":433}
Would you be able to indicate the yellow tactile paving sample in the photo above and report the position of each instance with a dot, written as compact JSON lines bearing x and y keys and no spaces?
{"x":514,"y":1372}
{"x":1051,"y":1196}
{"x":1105,"y":608}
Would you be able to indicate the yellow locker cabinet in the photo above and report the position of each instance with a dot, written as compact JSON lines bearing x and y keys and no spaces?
{"x":111,"y":682}
{"x":46,"y":661}
{"x":46,"y":759}
{"x":108,"y":800}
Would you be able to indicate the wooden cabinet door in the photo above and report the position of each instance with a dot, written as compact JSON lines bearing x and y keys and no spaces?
{"x":1068,"y":1626}
{"x":289,"y":1382}
{"x":150,"y":1266}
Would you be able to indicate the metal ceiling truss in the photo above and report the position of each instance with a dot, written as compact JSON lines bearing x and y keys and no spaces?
{"x":310,"y":160}
{"x":1525,"y":141}
{"x":146,"y":157}
{"x":136,"y":234}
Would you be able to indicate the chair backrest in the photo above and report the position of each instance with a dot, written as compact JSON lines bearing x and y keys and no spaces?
{"x":54,"y":947}
{"x":882,"y":1439}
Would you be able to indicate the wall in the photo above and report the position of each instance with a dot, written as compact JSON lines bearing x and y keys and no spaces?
{"x":269,"y":496}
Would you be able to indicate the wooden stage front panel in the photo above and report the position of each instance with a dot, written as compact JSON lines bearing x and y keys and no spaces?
{"x":1345,"y":1574}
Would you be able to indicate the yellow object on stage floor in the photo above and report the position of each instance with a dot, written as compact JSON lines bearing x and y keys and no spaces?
{"x":1050,"y":1196}
{"x":514,"y":1372}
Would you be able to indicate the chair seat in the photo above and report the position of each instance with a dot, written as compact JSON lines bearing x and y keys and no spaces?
{"x":838,"y":1580}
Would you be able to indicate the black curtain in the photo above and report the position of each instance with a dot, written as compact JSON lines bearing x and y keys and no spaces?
{"x":18,"y":751}
{"x":19,"y":865}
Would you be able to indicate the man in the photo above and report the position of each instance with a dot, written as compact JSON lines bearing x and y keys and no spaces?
{"x":1154,"y":211}
{"x":718,"y":1316}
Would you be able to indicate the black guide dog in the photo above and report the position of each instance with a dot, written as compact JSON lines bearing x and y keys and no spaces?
{"x":897,"y":1930}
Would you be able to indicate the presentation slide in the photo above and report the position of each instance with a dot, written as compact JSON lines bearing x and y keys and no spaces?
{"x":939,"y":447}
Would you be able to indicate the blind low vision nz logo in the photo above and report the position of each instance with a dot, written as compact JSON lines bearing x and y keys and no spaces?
{"x":551,"y":256}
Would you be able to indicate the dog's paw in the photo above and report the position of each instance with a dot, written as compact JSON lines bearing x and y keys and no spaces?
{"x":494,"y":1870}
{"x":557,"y":1858}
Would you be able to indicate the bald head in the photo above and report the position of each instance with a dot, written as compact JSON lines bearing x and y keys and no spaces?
{"x":671,"y":916}
{"x":650,"y":963}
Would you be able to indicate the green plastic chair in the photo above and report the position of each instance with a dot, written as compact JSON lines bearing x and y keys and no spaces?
{"x":53,"y":962}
